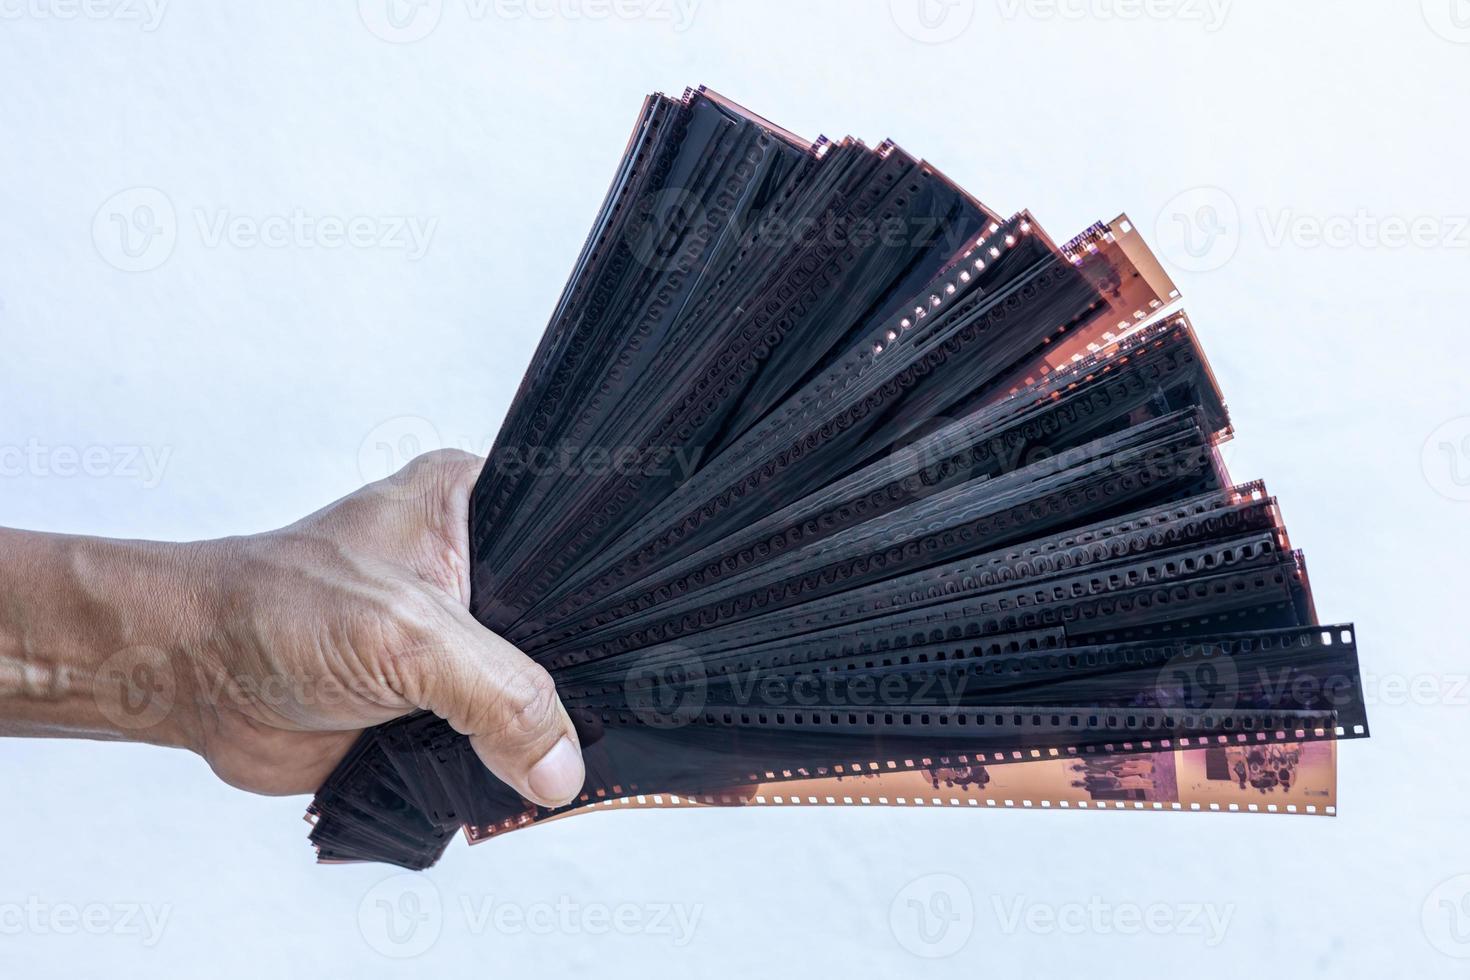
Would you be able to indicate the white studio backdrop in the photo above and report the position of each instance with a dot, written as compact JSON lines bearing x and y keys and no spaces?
{"x":253,"y":254}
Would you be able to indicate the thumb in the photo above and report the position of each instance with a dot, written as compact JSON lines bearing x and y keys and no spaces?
{"x":507,"y":704}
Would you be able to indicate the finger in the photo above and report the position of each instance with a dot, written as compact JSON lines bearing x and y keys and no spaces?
{"x":428,"y":522}
{"x":450,"y":475}
{"x":444,"y":479}
{"x":507,"y":703}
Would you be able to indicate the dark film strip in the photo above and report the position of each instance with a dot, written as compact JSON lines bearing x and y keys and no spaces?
{"x":896,"y":502}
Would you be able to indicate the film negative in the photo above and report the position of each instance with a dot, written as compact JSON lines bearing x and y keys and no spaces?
{"x":1289,"y":778}
{"x":896,"y":502}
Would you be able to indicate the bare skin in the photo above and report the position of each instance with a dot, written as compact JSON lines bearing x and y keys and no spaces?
{"x":268,"y":654}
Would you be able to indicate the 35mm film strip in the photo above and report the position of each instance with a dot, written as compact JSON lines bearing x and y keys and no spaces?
{"x":1282,"y":778}
{"x":830,"y":485}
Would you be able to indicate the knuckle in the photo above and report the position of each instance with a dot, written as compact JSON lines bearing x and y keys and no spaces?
{"x":529,"y":704}
{"x":437,"y":485}
{"x":446,"y":465}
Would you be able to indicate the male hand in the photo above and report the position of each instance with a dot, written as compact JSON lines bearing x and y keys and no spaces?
{"x":268,"y":654}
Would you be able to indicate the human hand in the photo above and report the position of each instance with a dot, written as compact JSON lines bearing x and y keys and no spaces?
{"x":268,"y":654}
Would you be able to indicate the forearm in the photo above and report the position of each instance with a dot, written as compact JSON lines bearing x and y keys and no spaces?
{"x":98,"y":637}
{"x":269,"y":654}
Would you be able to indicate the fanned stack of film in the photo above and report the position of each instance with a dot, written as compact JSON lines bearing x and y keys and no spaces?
{"x":828,"y":485}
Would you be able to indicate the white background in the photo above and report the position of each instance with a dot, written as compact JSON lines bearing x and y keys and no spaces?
{"x":268,"y":374}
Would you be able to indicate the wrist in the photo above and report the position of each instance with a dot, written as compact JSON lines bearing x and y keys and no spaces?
{"x":104,"y":639}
